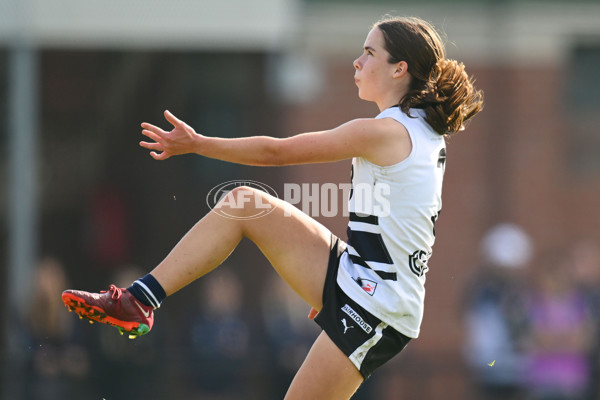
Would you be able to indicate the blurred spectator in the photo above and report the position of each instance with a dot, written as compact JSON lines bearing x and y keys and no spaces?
{"x":58,"y":366}
{"x":109,"y":226}
{"x":289,"y":332}
{"x":495,"y":314}
{"x":219,"y":340}
{"x":585,"y":257}
{"x":561,"y":330}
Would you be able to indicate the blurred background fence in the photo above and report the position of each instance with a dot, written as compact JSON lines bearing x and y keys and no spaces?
{"x":513,"y":291}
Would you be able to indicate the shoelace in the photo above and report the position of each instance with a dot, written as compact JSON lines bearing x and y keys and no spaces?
{"x":116,"y":292}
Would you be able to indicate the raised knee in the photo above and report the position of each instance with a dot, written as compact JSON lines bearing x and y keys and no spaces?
{"x":245,"y":202}
{"x":242,"y":196}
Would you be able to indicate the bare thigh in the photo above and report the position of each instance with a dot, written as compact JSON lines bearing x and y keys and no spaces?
{"x":325,"y":374}
{"x":296,"y":245}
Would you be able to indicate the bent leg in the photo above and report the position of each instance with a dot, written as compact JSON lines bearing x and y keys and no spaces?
{"x":325,"y":374}
{"x":296,"y":245}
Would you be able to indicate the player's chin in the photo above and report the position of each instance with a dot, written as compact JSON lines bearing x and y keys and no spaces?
{"x":363,"y":96}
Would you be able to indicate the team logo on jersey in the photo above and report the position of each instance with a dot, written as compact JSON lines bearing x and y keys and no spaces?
{"x":356,"y":318}
{"x":417,"y":262}
{"x":367,"y":285}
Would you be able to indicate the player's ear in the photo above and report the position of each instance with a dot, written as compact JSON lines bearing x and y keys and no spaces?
{"x":401,"y":69}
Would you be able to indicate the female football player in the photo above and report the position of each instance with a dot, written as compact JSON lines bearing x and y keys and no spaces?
{"x":367,"y":293}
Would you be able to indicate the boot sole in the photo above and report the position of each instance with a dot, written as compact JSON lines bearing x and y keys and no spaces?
{"x":96,"y":314}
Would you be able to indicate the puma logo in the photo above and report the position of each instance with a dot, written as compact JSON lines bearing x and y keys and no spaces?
{"x":144,"y":312}
{"x":346,"y":327}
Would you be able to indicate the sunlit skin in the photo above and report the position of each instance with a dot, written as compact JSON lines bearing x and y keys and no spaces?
{"x":381,"y":141}
{"x":378,"y":80}
{"x":296,"y":245}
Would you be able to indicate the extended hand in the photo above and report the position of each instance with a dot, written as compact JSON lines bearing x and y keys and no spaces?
{"x":181,"y":140}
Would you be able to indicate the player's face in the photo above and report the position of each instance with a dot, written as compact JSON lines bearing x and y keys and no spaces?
{"x":373,"y":73}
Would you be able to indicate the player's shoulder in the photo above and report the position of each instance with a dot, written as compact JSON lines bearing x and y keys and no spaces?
{"x":383,"y":141}
{"x":380,"y":126}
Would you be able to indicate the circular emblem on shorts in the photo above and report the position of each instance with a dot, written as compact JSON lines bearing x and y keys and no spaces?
{"x":219,"y":202}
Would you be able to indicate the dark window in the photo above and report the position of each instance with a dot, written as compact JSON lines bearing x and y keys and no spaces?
{"x":583,"y":96}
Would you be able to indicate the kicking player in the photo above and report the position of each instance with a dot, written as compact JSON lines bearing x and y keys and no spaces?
{"x":367,"y":293}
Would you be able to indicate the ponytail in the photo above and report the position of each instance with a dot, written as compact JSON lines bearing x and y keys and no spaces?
{"x":448,"y":98}
{"x":439,"y":86}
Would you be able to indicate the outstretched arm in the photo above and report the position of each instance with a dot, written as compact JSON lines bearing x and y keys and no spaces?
{"x":382,"y":141}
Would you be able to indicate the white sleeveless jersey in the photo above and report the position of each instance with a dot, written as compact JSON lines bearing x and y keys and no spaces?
{"x":393,"y":210}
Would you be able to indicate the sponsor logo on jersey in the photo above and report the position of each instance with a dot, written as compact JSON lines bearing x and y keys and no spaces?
{"x":368,"y":286}
{"x":346,"y":326}
{"x":357,"y":318}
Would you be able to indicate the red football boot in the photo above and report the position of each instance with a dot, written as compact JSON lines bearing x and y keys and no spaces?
{"x":116,"y":307}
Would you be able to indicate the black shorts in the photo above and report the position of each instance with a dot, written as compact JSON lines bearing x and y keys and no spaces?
{"x":364,"y":338}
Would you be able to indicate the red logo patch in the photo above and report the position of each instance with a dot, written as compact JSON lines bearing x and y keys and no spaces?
{"x":368,"y":286}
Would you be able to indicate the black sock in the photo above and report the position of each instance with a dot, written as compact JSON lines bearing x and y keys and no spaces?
{"x":148,"y":291}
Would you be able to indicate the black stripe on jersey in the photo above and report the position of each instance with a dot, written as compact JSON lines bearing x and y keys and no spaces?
{"x":369,"y":245}
{"x":367,"y":219}
{"x":388,"y":276}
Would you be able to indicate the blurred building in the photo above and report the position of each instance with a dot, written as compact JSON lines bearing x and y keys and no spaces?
{"x":77,"y":78}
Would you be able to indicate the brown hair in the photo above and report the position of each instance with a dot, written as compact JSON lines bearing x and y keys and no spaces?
{"x":439,"y":86}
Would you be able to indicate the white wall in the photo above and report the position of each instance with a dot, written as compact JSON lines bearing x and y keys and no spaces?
{"x":514,"y":34}
{"x":223,"y":24}
{"x":488,"y":32}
